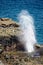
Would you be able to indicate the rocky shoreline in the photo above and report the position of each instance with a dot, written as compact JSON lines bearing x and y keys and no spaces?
{"x":10,"y":45}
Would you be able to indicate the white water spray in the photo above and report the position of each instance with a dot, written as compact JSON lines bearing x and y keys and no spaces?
{"x":27,"y":25}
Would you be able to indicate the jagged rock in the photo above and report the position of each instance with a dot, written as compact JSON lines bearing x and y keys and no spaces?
{"x":9,"y":27}
{"x":9,"y":33}
{"x":7,"y":21}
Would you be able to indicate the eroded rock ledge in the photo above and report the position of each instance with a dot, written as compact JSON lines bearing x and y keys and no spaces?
{"x":9,"y":33}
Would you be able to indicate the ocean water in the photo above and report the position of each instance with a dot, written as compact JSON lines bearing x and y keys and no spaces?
{"x":11,"y":9}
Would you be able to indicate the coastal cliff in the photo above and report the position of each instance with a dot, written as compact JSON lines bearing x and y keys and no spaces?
{"x":9,"y":33}
{"x":12,"y":51}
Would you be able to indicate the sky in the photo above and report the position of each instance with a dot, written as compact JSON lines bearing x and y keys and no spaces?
{"x":11,"y":8}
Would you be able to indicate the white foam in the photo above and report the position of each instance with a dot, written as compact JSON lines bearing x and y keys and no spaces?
{"x":27,"y":25}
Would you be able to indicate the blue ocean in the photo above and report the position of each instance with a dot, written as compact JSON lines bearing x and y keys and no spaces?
{"x":11,"y":8}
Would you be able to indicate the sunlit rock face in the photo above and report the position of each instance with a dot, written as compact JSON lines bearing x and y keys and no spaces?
{"x":8,"y":27}
{"x":7,"y":21}
{"x":9,"y":33}
{"x":9,"y":30}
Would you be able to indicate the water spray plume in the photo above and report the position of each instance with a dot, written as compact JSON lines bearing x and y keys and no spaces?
{"x":27,"y":25}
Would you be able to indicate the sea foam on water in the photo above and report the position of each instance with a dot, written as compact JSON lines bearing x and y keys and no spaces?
{"x":27,"y":25}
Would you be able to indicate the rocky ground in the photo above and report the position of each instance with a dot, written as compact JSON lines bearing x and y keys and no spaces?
{"x":8,"y":27}
{"x":20,"y":59}
{"x":11,"y":49}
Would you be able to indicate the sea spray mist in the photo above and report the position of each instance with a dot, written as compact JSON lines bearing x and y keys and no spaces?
{"x":27,"y":26}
